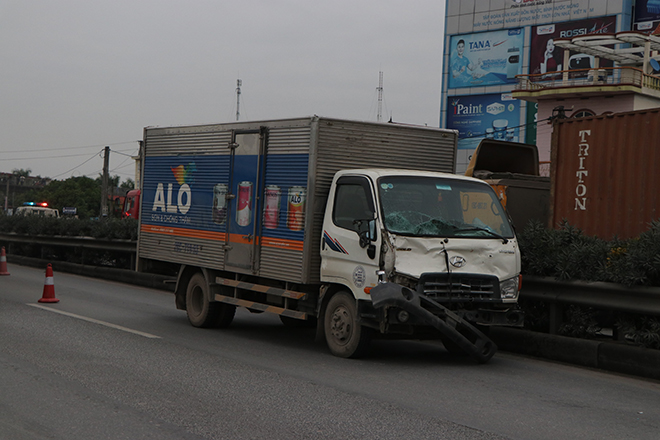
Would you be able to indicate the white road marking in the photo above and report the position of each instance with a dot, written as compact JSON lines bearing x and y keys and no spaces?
{"x":96,"y":321}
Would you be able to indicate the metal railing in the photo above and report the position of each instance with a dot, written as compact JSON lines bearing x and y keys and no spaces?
{"x":80,"y":244}
{"x":556,"y":294}
{"x":602,"y":296}
{"x":612,"y":76}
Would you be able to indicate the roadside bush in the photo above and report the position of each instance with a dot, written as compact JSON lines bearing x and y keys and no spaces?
{"x":640,"y":330}
{"x":105,"y":229}
{"x":567,"y":254}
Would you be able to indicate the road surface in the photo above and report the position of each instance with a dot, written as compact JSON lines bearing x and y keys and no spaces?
{"x":115,"y":361}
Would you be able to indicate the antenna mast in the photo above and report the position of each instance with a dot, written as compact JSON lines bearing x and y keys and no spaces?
{"x":239,"y":83}
{"x":379,"y":116}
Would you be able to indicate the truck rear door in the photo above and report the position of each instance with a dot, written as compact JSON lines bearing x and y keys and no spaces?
{"x":245,"y":181}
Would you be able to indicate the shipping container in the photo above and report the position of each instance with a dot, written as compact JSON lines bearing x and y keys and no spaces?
{"x":604,"y":173}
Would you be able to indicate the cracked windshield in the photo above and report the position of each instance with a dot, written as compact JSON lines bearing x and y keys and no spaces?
{"x":436,"y":207}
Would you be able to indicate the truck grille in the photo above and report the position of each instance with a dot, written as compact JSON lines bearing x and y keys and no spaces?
{"x":443,"y":287}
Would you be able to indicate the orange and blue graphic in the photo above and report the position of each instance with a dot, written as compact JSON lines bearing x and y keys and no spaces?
{"x":333,"y":243}
{"x":184,"y":174}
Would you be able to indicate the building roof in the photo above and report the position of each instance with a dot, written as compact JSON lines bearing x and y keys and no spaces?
{"x":627,"y":48}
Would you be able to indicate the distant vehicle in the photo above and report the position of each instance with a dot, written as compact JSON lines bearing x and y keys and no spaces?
{"x":131,"y":205}
{"x":41,"y":210}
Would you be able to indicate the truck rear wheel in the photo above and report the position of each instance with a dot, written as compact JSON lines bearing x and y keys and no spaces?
{"x":343,"y":333}
{"x":203,"y":313}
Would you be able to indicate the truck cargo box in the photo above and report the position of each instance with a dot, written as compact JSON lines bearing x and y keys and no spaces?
{"x":249,"y":197}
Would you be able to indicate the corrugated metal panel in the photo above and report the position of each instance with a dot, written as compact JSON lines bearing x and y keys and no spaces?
{"x":161,"y":247}
{"x":605,"y":176}
{"x":287,"y":165}
{"x":281,"y":264}
{"x":289,"y":139}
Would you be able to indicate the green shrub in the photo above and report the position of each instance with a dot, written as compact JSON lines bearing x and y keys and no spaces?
{"x":567,"y":254}
{"x":640,"y":330}
{"x":105,"y":229}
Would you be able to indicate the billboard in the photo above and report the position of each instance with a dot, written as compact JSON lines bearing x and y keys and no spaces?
{"x":647,"y":15}
{"x":494,"y":116}
{"x":516,"y":13}
{"x":485,"y":59}
{"x":545,"y":57}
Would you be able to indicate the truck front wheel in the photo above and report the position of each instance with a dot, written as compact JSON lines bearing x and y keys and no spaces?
{"x":203,"y":313}
{"x":343,"y":333}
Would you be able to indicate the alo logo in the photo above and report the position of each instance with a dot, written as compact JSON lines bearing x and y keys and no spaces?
{"x":163,"y":198}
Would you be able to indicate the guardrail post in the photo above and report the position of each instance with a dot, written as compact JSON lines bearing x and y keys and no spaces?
{"x":555,"y":317}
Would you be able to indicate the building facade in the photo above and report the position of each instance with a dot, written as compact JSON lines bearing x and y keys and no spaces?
{"x":489,"y":44}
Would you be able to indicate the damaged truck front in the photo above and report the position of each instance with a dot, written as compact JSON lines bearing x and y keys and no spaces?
{"x":447,"y":266}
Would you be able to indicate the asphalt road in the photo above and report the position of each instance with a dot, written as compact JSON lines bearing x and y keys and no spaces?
{"x":114,"y":361}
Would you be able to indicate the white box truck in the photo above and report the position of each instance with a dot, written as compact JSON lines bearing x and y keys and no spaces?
{"x":358,"y":228}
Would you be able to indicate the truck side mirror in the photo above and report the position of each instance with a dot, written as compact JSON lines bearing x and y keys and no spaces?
{"x":371,"y":251}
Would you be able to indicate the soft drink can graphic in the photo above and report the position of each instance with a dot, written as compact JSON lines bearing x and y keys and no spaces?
{"x":244,"y":205}
{"x":296,"y":208}
{"x":272,"y":209}
{"x":219,"y":211}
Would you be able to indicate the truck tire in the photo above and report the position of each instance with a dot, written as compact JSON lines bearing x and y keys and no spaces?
{"x":344,"y":335}
{"x":203,"y":313}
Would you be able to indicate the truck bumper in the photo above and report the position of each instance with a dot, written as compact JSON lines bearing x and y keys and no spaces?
{"x":429,"y":312}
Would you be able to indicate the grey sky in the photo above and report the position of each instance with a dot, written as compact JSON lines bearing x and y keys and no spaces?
{"x":90,"y":73}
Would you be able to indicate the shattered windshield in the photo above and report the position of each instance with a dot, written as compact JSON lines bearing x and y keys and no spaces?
{"x":438,"y":207}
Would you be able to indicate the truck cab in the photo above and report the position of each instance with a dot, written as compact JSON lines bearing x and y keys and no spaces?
{"x":440,"y":237}
{"x":131,"y":208}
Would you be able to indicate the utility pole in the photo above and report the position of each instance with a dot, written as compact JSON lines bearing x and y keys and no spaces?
{"x":379,"y":116}
{"x":104,"y":182}
{"x":239,"y":83}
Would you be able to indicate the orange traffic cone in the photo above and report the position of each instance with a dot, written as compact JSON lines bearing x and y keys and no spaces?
{"x":3,"y":262}
{"x":49,"y":287}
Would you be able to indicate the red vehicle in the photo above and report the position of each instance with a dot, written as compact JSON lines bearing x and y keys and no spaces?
{"x":131,"y":205}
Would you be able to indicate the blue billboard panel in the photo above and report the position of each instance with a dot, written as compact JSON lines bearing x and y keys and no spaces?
{"x":485,"y":59}
{"x":647,"y":15}
{"x":476,"y":117}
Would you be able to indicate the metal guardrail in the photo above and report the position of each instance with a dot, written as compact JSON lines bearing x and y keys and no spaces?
{"x":75,"y":243}
{"x":599,"y":295}
{"x":557,"y":294}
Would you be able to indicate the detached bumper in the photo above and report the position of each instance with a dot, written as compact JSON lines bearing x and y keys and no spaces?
{"x":429,"y":312}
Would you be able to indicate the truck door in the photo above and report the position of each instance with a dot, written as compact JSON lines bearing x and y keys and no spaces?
{"x":245,"y":181}
{"x":351,"y":242}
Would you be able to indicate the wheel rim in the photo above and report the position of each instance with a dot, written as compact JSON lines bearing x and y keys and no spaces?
{"x":341,"y":325}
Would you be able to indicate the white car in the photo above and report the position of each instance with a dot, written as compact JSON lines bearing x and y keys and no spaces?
{"x":37,"y":210}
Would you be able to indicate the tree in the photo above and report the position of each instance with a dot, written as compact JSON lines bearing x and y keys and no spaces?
{"x":127,"y":185}
{"x":21,"y":172}
{"x":80,"y":192}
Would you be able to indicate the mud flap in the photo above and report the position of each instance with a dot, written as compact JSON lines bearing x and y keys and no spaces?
{"x":453,"y":327}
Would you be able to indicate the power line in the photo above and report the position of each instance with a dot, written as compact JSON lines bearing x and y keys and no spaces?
{"x":76,"y":167}
{"x":66,"y":148}
{"x":45,"y":157}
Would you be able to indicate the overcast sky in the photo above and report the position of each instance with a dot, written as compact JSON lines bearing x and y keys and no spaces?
{"x":76,"y":75}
